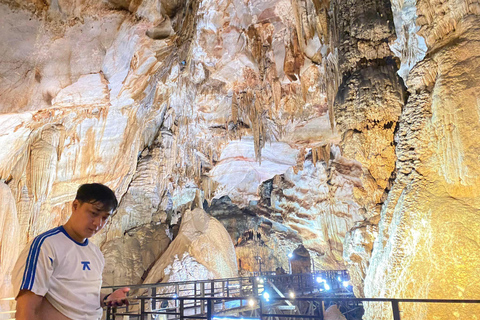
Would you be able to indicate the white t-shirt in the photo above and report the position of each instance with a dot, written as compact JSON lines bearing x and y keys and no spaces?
{"x":67,"y":273}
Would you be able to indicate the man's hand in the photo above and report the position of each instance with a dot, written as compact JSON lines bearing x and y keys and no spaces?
{"x":117,"y":298}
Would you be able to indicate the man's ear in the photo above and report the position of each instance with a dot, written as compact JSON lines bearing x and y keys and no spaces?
{"x":75,"y":205}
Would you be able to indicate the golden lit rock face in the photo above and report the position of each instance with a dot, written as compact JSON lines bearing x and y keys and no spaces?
{"x":428,"y":239}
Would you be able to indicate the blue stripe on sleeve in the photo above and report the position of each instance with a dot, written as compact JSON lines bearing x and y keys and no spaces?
{"x":31,"y":263}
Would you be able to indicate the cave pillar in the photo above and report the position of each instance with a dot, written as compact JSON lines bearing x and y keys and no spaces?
{"x":367,"y":106}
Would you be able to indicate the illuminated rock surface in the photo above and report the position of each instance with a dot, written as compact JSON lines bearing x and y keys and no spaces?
{"x":202,"y":250}
{"x":428,"y":233}
{"x":284,"y":120}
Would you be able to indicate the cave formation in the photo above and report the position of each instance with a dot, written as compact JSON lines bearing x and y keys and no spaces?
{"x":237,"y":130}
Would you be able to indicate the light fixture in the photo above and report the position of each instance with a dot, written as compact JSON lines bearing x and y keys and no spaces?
{"x":327,"y":287}
{"x":339,"y":279}
{"x":291,"y":294}
{"x":290,"y":255}
{"x":320,"y":280}
{"x":251,"y":302}
{"x":345,"y":284}
{"x":266,"y":296}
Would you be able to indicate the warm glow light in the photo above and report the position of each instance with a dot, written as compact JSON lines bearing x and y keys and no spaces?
{"x":251,"y":302}
{"x":291,"y":294}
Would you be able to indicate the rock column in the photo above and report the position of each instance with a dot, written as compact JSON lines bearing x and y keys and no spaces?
{"x":367,"y":106}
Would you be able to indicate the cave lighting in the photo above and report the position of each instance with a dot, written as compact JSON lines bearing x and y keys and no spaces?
{"x":251,"y":302}
{"x":291,"y":294}
{"x":266,"y":296}
{"x":320,"y":280}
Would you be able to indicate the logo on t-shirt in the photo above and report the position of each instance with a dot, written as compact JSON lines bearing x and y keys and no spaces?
{"x":86,"y":265}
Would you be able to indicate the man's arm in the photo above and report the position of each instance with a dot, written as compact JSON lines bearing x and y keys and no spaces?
{"x":28,"y":306}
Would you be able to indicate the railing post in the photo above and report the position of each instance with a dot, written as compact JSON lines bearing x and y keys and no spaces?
{"x":396,"y":310}
{"x":321,"y":309}
{"x":142,"y":309}
{"x":210,"y":310}
{"x":154,"y":301}
{"x":223,"y":295}
{"x":255,"y":286}
{"x":202,"y":294}
{"x":260,"y":304}
{"x":195,"y":295}
{"x":182,"y":309}
{"x":109,"y":310}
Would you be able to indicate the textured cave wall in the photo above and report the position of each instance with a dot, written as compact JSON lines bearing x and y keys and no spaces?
{"x":171,"y":104}
{"x":427,"y":245}
{"x":285,"y":120}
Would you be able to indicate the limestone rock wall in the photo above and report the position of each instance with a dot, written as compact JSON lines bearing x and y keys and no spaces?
{"x":168,"y":103}
{"x":429,"y":224}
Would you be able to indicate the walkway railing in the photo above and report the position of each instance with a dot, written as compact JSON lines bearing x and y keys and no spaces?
{"x":183,"y":300}
{"x":262,"y":310}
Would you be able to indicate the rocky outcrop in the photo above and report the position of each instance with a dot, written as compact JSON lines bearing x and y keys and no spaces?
{"x":302,"y":202}
{"x":129,"y":258}
{"x":300,"y":261}
{"x":202,"y":250}
{"x":357,"y":251}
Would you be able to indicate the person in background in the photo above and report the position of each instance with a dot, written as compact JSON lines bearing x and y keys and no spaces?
{"x":58,"y":276}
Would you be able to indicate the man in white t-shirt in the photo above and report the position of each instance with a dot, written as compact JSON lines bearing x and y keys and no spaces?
{"x":58,"y":276}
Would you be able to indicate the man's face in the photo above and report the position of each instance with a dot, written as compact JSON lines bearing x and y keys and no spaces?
{"x":88,"y":218}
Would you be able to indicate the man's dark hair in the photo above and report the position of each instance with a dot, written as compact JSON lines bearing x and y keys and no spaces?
{"x":97,"y":192}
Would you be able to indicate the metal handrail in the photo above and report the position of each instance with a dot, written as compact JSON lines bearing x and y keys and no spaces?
{"x":210,"y":301}
{"x":162,"y":284}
